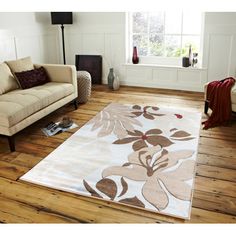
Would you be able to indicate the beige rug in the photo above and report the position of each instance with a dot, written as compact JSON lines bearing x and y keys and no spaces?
{"x":142,"y":156}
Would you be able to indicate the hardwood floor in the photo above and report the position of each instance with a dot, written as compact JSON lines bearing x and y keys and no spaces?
{"x":214,"y":198}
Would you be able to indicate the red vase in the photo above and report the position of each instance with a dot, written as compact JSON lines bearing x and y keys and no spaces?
{"x":135,"y":58}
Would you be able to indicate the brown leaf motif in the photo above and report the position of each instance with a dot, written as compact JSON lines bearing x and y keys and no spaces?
{"x":151,"y":165}
{"x":133,"y":201}
{"x":124,"y":187}
{"x":141,"y":140}
{"x":146,"y":112}
{"x":108,"y":187}
{"x":180,"y":135}
{"x":173,"y":129}
{"x":91,"y":190}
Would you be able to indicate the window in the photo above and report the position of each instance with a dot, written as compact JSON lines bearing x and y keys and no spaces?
{"x":165,"y":34}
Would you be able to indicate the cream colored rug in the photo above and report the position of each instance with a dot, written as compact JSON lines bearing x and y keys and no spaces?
{"x":142,"y":156}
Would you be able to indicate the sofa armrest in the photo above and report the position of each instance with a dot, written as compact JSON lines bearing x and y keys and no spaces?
{"x":205,"y":91}
{"x":60,"y":73}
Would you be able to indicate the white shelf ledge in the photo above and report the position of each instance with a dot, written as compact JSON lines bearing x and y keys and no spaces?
{"x":164,"y":66}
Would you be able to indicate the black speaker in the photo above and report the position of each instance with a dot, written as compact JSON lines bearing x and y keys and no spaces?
{"x":61,"y":18}
{"x":185,"y":62}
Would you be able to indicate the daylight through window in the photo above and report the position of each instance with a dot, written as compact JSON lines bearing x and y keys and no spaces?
{"x":165,"y":34}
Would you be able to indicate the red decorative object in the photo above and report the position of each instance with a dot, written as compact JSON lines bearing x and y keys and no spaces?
{"x":219,"y":100}
{"x":179,"y":116}
{"x":135,"y":58}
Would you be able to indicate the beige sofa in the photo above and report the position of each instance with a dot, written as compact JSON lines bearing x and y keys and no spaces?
{"x":20,"y":108}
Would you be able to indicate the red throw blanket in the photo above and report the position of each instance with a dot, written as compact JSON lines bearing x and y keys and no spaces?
{"x":219,"y":99}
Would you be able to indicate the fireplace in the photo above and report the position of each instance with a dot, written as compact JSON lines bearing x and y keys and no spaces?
{"x":92,"y":64}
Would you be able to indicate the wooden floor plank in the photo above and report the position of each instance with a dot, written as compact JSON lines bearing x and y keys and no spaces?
{"x":9,"y":156}
{"x":214,"y":202}
{"x":219,"y":151}
{"x":13,"y":211}
{"x":26,"y":160}
{"x":216,"y":172}
{"x":212,"y":160}
{"x":216,"y":186}
{"x":220,"y":143}
{"x":11,"y":171}
{"x":73,"y":206}
{"x":33,"y":149}
{"x":204,"y":216}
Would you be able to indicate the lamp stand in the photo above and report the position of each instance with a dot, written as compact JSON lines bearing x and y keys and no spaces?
{"x":63,"y":43}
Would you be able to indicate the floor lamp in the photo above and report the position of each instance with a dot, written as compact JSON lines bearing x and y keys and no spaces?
{"x":62,"y":18}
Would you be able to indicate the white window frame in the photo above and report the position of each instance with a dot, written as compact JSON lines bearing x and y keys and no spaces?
{"x":162,"y":60}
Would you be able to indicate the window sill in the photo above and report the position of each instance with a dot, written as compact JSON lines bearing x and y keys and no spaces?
{"x":165,"y":66}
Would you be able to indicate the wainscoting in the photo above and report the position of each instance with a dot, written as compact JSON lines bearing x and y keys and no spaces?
{"x":220,"y":45}
{"x":190,"y":79}
{"x":41,"y":45}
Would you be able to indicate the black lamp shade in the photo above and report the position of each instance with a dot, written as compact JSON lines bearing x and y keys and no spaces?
{"x":61,"y":18}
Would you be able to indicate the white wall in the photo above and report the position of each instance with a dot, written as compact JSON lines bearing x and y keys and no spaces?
{"x":97,"y":34}
{"x":23,"y":34}
{"x":105,"y":34}
{"x":27,"y":34}
{"x":219,"y":52}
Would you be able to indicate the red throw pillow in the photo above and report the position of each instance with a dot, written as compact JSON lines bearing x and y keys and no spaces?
{"x":31,"y":78}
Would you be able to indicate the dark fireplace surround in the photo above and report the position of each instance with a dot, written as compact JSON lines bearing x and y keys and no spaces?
{"x":92,"y":64}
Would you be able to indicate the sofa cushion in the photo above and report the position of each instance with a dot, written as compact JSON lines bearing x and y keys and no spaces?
{"x":16,"y":105}
{"x":31,"y":78}
{"x":20,"y":65}
{"x":233,"y":94}
{"x":7,"y":80}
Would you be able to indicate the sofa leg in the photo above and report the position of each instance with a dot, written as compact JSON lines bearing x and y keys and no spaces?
{"x":11,"y":141}
{"x":75,"y":102}
{"x":206,"y":107}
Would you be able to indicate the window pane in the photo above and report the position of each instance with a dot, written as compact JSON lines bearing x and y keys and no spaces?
{"x":173,"y":22}
{"x":192,"y":22}
{"x":156,"y":22}
{"x":141,"y":42}
{"x":156,"y":45}
{"x":167,"y":33}
{"x":194,"y":41}
{"x":140,"y":22}
{"x":172,"y":46}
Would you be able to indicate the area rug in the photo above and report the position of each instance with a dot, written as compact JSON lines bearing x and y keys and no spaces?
{"x":140,"y":156}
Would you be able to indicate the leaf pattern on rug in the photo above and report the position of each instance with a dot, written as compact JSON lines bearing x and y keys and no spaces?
{"x":133,"y":201}
{"x":115,"y":118}
{"x":145,"y":112}
{"x":108,"y":187}
{"x":152,"y":165}
{"x":180,"y":135}
{"x":124,"y":187}
{"x":141,"y":140}
{"x":91,"y":190}
{"x":178,"y":116}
